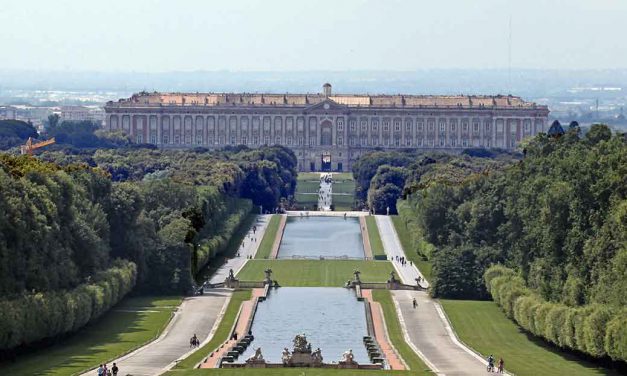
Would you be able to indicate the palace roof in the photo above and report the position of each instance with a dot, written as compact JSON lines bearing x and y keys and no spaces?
{"x":306,"y":100}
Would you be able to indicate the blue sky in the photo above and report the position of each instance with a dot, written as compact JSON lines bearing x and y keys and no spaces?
{"x":157,"y":36}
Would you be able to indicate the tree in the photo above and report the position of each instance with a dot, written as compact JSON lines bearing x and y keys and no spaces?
{"x":598,"y":133}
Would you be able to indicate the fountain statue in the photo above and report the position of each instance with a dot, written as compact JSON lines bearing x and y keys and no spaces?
{"x":231,"y":281}
{"x":302,"y":356}
{"x":256,"y":358}
{"x":268,"y":279}
{"x":356,"y":273}
{"x":348,"y":359}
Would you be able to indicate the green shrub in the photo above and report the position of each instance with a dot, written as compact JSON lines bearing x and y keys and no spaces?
{"x":594,"y":327}
{"x":554,"y":323}
{"x":616,"y":337}
{"x":34,"y":317}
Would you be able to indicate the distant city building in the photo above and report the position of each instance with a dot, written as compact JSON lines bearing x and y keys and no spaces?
{"x":82,"y":113}
{"x":8,"y":113}
{"x":327,"y":131}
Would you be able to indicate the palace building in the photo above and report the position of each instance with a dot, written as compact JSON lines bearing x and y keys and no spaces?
{"x":327,"y":131}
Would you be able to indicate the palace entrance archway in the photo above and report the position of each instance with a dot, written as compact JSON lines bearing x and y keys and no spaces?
{"x":326,"y":161}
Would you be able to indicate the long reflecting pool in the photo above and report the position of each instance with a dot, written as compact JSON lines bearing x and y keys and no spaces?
{"x":321,"y":237}
{"x":332,"y":319}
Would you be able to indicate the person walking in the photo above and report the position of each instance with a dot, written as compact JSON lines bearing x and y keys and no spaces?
{"x":100,"y":371}
{"x":501,"y":365}
{"x":414,"y":303}
{"x":114,"y":370}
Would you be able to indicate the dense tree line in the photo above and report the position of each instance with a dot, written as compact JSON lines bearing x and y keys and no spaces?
{"x":558,"y":218}
{"x":71,"y":221}
{"x":15,"y":132}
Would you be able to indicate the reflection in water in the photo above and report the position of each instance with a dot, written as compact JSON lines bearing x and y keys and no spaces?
{"x":332,"y":319}
{"x":321,"y":236}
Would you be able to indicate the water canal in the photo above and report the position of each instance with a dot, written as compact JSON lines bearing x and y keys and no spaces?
{"x":331,"y":318}
{"x":321,"y":237}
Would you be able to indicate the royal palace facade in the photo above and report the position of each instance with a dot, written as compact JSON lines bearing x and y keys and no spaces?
{"x":327,"y":131}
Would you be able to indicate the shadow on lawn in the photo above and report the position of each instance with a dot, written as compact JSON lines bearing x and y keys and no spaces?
{"x":80,"y":351}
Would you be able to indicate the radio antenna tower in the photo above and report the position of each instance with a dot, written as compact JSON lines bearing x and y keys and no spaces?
{"x":509,"y":57}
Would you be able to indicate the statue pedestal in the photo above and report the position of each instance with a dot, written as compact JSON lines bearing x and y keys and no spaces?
{"x":303,"y":359}
{"x":256,"y":363}
{"x":347,"y":365}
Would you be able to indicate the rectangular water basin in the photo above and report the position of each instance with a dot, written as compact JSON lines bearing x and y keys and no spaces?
{"x":326,"y":237}
{"x":331,"y":318}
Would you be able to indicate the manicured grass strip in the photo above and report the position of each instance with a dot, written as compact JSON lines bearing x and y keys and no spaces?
{"x":265,"y":248}
{"x":417,"y":367}
{"x":221,"y":334}
{"x":342,"y":176}
{"x":308,"y":176}
{"x":342,"y":202}
{"x":375,"y":238}
{"x":484,"y":327}
{"x":127,"y":326}
{"x":306,"y":186}
{"x":346,"y":186}
{"x":405,"y":237}
{"x":315,"y":273}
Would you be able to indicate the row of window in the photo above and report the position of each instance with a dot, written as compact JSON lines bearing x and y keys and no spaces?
{"x":300,"y":141}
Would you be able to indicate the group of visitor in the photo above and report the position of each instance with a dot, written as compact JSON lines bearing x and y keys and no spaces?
{"x":500,"y":367}
{"x":403,"y":261}
{"x":103,"y":370}
{"x":194,"y":341}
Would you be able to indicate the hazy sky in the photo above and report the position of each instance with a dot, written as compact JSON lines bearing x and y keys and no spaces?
{"x":144,"y":35}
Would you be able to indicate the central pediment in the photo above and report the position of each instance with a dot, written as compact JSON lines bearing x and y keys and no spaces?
{"x":326,"y":106}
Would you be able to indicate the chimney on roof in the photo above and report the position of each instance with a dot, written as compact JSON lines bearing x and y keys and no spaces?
{"x":326,"y":89}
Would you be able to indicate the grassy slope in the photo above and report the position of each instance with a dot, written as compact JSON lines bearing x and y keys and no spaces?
{"x":396,"y":335}
{"x":403,"y":234}
{"x":312,"y":273}
{"x":265,"y":248}
{"x":222,"y":333}
{"x":485,"y":328}
{"x":375,"y":238}
{"x":124,"y":328}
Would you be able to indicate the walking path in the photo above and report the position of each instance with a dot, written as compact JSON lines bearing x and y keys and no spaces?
{"x":392,"y":357}
{"x":365,"y":238}
{"x":426,"y":328}
{"x":196,"y":315}
{"x":246,"y":312}
{"x":248,"y":248}
{"x":393,"y":248}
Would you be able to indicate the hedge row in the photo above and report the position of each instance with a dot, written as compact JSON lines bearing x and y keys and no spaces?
{"x":407,"y":214}
{"x":38,"y":316}
{"x":209,"y":248}
{"x":597,"y":330}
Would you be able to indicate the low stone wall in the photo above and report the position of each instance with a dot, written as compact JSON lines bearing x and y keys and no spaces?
{"x":325,"y":365}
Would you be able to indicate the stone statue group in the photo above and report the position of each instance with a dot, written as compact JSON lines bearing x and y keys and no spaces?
{"x":302,"y":355}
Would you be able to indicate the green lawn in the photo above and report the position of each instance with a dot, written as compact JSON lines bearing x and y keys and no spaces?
{"x":337,"y":176}
{"x":375,"y":239}
{"x":308,"y":176}
{"x":265,"y":247}
{"x":307,"y":186}
{"x":130,"y":324}
{"x":405,"y":237}
{"x":485,"y":328}
{"x":396,"y":335}
{"x":342,"y":202}
{"x":344,"y":186}
{"x":221,"y":334}
{"x":312,"y":273}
